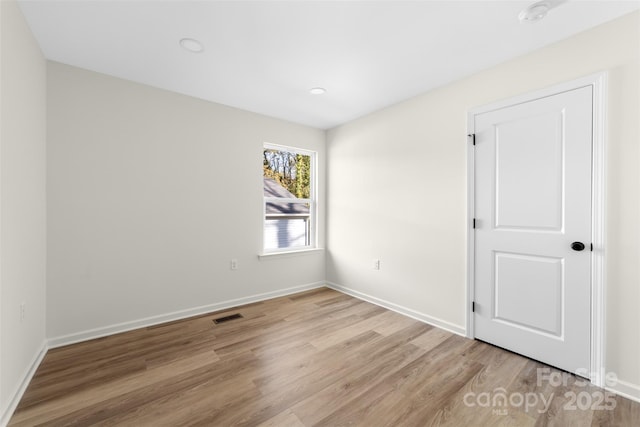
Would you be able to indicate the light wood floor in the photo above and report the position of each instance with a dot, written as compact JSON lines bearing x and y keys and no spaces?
{"x":316,"y":358}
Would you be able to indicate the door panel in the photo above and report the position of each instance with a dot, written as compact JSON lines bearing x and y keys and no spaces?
{"x":524,"y":287}
{"x":532,"y":200}
{"x":529,"y":170}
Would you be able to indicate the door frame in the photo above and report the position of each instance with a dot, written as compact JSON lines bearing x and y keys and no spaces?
{"x":598,"y":82}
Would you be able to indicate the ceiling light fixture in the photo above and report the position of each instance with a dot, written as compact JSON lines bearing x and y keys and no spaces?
{"x":535,"y":12}
{"x":317,"y":91}
{"x":192,"y":45}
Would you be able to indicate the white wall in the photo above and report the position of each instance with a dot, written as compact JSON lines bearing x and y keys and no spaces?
{"x":150,"y":195}
{"x":22,"y":203}
{"x":397,"y":188}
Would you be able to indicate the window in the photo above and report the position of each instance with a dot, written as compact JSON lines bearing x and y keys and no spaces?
{"x":289,"y":198}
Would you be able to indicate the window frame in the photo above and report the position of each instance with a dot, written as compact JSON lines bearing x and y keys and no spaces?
{"x":312,"y":201}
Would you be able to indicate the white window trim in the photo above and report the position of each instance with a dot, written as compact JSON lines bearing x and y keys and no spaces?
{"x":313,"y":205}
{"x":297,"y":252}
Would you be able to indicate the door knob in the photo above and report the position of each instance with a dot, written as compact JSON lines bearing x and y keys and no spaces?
{"x":577,"y":246}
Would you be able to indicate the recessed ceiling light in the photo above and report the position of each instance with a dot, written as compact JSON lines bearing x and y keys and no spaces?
{"x":192,"y":45}
{"x":535,"y":12}
{"x":317,"y":90}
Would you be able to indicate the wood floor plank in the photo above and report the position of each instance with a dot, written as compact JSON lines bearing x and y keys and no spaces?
{"x":431,"y":338}
{"x":499,"y":370}
{"x":395,"y":323}
{"x":350,"y":386}
{"x":76,"y":398}
{"x":283,"y":419}
{"x":373,"y":404}
{"x":317,"y":358}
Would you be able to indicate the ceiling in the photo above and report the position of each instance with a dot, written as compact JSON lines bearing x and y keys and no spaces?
{"x":264,"y":56}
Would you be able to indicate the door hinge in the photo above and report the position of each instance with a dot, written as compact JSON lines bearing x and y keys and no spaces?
{"x":473,"y":306}
{"x":474,"y":223}
{"x":592,"y":247}
{"x":473,"y":138}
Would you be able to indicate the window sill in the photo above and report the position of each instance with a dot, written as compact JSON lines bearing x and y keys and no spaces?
{"x":267,"y":255}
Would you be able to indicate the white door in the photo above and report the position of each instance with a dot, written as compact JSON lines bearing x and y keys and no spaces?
{"x":533,"y":215}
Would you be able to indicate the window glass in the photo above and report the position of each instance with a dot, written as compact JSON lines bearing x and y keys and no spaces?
{"x":289,"y":203}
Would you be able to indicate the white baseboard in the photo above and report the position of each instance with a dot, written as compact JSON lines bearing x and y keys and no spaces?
{"x":626,"y":389}
{"x":176,"y":315}
{"x":434,"y":321}
{"x":8,"y":411}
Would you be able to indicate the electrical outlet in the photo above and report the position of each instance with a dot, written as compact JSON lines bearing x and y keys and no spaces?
{"x":376,"y":264}
{"x":22,"y":312}
{"x":234,"y":264}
